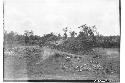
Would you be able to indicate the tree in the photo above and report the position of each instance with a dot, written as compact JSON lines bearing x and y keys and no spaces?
{"x":88,"y":32}
{"x":84,"y":42}
{"x":47,"y":38}
{"x":28,"y":33}
{"x":59,"y":35}
{"x":72,"y":33}
{"x":65,"y":32}
{"x":28,"y":36}
{"x":10,"y":37}
{"x":86,"y":37}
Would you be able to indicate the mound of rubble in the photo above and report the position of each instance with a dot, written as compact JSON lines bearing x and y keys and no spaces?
{"x":79,"y":64}
{"x":69,"y":64}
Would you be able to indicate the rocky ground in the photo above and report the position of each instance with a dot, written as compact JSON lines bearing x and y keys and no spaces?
{"x":33,"y":62}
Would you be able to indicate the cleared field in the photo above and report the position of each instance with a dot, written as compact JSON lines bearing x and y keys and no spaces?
{"x":33,"y":62}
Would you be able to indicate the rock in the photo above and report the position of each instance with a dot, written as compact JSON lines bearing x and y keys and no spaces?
{"x":97,"y":66}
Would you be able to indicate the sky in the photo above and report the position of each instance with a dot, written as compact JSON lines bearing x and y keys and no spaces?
{"x":45,"y":16}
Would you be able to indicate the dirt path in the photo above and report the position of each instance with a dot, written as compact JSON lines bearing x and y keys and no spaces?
{"x":47,"y":52}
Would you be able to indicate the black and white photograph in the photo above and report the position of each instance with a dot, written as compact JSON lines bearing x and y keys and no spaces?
{"x":61,"y":40}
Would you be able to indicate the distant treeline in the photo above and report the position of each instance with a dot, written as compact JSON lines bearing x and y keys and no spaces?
{"x":87,"y":38}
